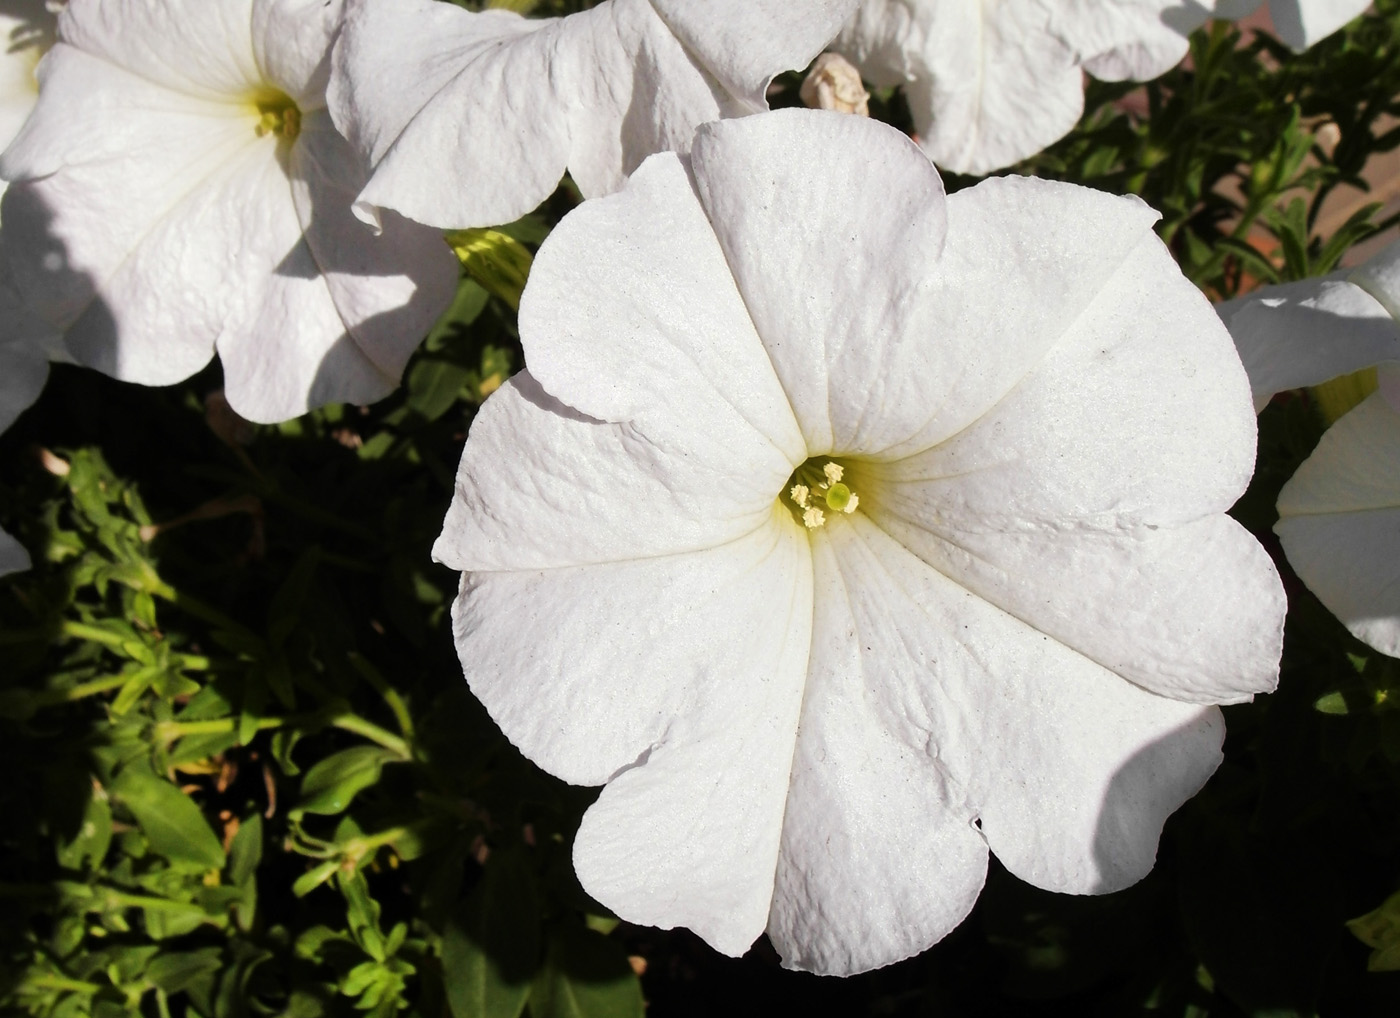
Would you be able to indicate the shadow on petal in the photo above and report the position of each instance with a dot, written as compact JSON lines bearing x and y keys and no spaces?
{"x":1150,"y":786}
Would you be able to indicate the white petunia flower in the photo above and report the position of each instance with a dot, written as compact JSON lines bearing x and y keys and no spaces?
{"x":180,"y":188}
{"x":818,"y":722}
{"x":1339,"y":520}
{"x":992,"y":82}
{"x":470,"y":119}
{"x":1308,"y":332}
{"x":1339,"y":515}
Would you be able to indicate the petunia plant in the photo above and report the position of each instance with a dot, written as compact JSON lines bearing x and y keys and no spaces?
{"x":849,"y":576}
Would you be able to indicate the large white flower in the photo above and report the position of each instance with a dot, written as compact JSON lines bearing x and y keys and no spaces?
{"x":1022,"y":595}
{"x":1339,"y":515}
{"x":180,"y":188}
{"x":991,"y":82}
{"x":470,"y":119}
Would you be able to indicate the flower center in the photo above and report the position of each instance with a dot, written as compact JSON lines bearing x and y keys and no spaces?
{"x":815,"y":488}
{"x":277,"y":115}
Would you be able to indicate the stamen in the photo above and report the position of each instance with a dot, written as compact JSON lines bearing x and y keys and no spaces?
{"x":278,"y":115}
{"x":816,"y":489}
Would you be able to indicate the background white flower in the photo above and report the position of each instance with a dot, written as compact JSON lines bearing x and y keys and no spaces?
{"x":1012,"y":643}
{"x":1339,"y":515}
{"x":470,"y":119}
{"x":1298,"y":23}
{"x":180,"y":187}
{"x":992,"y":82}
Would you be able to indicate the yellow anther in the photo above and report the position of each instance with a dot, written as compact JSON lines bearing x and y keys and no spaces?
{"x":278,"y":115}
{"x":816,"y":489}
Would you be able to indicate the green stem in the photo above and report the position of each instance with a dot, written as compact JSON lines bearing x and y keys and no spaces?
{"x":372,"y":732}
{"x":63,"y":983}
{"x":386,"y":691}
{"x":82,"y":631}
{"x":167,"y":732}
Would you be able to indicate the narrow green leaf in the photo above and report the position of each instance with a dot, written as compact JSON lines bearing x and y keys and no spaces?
{"x":330,"y":785}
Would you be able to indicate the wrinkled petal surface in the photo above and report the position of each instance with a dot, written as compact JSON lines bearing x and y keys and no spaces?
{"x":481,"y":124}
{"x":744,"y":43}
{"x":1339,"y":521}
{"x":686,"y":833}
{"x":988,"y":83}
{"x":891,"y":354}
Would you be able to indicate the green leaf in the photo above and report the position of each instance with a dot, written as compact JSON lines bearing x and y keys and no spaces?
{"x":490,"y":950}
{"x":93,"y":838}
{"x":173,"y":824}
{"x":585,"y":975}
{"x":246,"y":851}
{"x":175,"y":971}
{"x":330,"y":785}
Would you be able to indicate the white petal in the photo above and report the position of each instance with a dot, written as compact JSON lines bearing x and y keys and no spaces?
{"x":25,"y":345}
{"x":1300,"y":23}
{"x":830,"y":261}
{"x":845,"y":279}
{"x":1071,"y":770}
{"x":27,"y":30}
{"x":541,"y":485}
{"x":879,"y":855}
{"x":633,"y":315}
{"x":1194,"y":612}
{"x":208,"y":56}
{"x":23,"y":371}
{"x":1379,"y":276}
{"x":144,"y":213}
{"x":292,"y":43}
{"x":744,"y":43}
{"x":1139,"y":415}
{"x":689,"y":835}
{"x":988,"y":84}
{"x":637,"y":90}
{"x":472,"y":131}
{"x":13,"y":557}
{"x":498,"y":105}
{"x":1339,"y":522}
{"x":1122,"y":40}
{"x":336,"y":313}
{"x":1308,"y":332}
